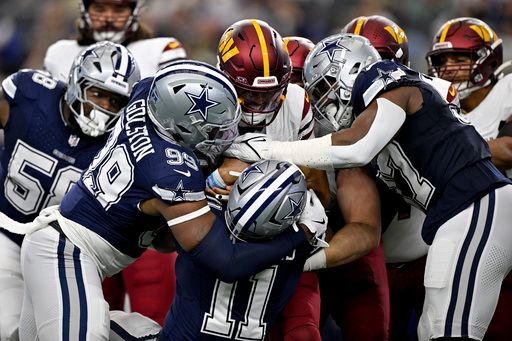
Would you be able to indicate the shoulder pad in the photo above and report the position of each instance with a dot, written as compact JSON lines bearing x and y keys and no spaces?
{"x":376,"y":78}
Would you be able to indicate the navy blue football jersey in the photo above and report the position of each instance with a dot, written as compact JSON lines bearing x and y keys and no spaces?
{"x":206,"y":308}
{"x":437,"y":161}
{"x":137,"y":163}
{"x":43,"y":157}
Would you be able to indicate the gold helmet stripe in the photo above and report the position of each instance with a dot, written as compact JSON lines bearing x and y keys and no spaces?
{"x":264,"y":51}
{"x":359,"y":25}
{"x":483,"y":32}
{"x":445,"y":31}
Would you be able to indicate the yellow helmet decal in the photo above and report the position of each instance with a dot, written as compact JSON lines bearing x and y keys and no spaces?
{"x":484,"y":32}
{"x":397,"y":33}
{"x":359,"y":25}
{"x":225,"y":47}
{"x":264,"y":51}
{"x":444,"y":31}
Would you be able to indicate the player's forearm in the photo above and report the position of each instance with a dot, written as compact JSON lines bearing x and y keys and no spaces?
{"x":350,"y":243}
{"x":501,"y":151}
{"x":345,"y":149}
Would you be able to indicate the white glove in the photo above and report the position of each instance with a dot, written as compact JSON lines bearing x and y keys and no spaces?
{"x":250,"y":147}
{"x":315,"y":218}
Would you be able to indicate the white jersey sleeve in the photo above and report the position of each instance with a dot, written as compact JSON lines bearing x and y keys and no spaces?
{"x":152,"y":54}
{"x":60,"y":56}
{"x":494,"y":109}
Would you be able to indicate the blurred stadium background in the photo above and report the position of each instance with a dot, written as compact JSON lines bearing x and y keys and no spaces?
{"x":28,"y":27}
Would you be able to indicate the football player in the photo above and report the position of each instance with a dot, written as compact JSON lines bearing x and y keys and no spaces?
{"x":435,"y":160}
{"x":150,"y":289}
{"x":402,"y":244}
{"x":301,"y":321}
{"x":266,"y":200}
{"x":117,"y":21}
{"x":52,"y":132}
{"x":254,"y":57}
{"x":146,"y":175}
{"x":270,"y":196}
{"x":467,"y":52}
{"x":367,"y":273}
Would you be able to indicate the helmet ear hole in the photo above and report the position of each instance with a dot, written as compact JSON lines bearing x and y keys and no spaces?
{"x":355,"y":69}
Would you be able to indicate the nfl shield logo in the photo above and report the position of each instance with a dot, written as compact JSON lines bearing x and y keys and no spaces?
{"x":73,"y":140}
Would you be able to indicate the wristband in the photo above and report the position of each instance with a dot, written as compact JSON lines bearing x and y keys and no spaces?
{"x":215,"y":180}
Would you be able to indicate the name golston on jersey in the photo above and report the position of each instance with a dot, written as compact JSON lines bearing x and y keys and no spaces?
{"x":435,"y":152}
{"x":137,"y":163}
{"x":43,"y":157}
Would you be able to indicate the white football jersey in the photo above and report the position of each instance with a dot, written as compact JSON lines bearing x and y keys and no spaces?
{"x":150,"y":55}
{"x":494,"y":109}
{"x":294,"y":121}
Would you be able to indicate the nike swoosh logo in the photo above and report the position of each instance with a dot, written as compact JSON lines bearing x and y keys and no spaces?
{"x":187,"y":173}
{"x":319,"y":222}
{"x":452,"y":90}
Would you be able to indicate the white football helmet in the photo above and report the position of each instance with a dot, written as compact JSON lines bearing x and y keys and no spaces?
{"x":196,"y":105}
{"x":330,"y":71}
{"x":105,"y":65}
{"x":267,"y":199}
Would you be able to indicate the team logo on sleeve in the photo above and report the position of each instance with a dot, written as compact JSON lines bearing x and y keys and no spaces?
{"x":201,"y":103}
{"x":384,"y":77}
{"x":179,"y":192}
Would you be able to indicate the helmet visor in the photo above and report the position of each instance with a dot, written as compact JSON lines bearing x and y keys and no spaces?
{"x":218,"y":139}
{"x":260,"y":101}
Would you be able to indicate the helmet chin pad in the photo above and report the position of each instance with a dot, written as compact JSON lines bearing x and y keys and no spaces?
{"x":97,"y":122}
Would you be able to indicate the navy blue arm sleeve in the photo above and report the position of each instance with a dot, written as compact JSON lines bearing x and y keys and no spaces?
{"x":231,"y":262}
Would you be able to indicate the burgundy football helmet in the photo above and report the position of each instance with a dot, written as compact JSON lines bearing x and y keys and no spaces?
{"x":384,"y":34}
{"x":474,"y":39}
{"x":298,"y":49}
{"x":253,"y":56}
{"x":129,"y":29}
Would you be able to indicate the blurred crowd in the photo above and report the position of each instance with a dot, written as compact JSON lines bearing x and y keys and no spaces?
{"x":28,"y":27}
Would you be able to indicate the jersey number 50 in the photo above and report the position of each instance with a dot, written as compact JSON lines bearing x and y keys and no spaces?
{"x":24,"y":190}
